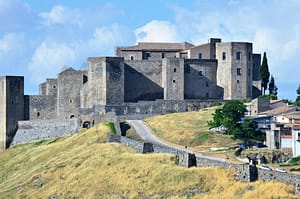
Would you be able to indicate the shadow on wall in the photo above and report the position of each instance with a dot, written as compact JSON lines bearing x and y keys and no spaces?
{"x":138,"y":87}
{"x":198,"y":86}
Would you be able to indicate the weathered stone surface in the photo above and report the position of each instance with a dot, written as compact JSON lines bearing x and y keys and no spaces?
{"x":36,"y":130}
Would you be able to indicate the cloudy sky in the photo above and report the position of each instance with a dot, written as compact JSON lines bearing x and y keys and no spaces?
{"x":40,"y":38}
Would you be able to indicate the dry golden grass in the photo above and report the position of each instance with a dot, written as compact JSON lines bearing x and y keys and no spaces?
{"x":189,"y":128}
{"x":83,"y":166}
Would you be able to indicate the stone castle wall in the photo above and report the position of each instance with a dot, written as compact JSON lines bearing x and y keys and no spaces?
{"x":143,"y":80}
{"x":36,"y":130}
{"x":155,"y":107}
{"x":40,"y":107}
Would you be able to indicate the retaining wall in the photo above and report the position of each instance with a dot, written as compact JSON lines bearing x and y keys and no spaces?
{"x":35,"y":130}
{"x":245,"y":172}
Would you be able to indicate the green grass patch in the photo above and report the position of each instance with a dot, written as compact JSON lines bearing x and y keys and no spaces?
{"x":111,"y":126}
{"x":205,"y":136}
{"x":292,"y":162}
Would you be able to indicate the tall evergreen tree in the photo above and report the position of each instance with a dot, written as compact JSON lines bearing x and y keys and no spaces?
{"x":264,"y":73}
{"x":272,"y":87}
{"x":298,"y":96}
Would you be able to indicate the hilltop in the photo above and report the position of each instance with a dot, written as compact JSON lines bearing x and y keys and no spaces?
{"x":84,"y":166}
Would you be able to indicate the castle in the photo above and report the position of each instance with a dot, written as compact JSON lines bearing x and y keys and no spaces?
{"x":148,"y":78}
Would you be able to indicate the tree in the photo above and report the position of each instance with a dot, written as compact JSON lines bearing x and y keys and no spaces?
{"x":298,"y":96}
{"x":272,"y":88}
{"x":264,"y":73}
{"x":229,"y":116}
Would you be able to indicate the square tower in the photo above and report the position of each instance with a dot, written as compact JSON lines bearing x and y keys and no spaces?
{"x":106,"y":81}
{"x":173,"y":78}
{"x":234,"y":72}
{"x":11,"y":107}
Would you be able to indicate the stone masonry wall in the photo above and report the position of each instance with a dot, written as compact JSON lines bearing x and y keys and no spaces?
{"x":40,"y":107}
{"x":143,"y":80}
{"x":245,"y":172}
{"x":36,"y":130}
{"x":156,"y":107}
{"x":200,"y":79}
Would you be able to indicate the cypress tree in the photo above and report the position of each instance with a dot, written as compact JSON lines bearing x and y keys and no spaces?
{"x":264,"y":73}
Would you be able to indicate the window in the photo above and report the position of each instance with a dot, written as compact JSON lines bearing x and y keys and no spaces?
{"x":207,"y":83}
{"x":298,"y":136}
{"x":249,"y":56}
{"x":38,"y":114}
{"x":162,"y":55}
{"x":223,"y":55}
{"x":173,"y":80}
{"x":131,"y":57}
{"x":249,"y":72}
{"x":200,"y":55}
{"x":206,"y":95}
{"x":174,"y":70}
{"x":238,"y":71}
{"x":200,"y":73}
{"x":238,"y":55}
{"x":54,"y":86}
{"x":71,"y":101}
{"x":148,"y":55}
{"x":237,"y":81}
{"x":84,"y":79}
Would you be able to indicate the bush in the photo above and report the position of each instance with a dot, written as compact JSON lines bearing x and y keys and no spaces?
{"x":294,"y":169}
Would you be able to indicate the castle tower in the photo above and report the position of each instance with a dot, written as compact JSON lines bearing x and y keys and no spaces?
{"x":11,"y":107}
{"x":106,"y":81}
{"x":173,"y":78}
{"x":69,"y":82}
{"x":234,"y":72}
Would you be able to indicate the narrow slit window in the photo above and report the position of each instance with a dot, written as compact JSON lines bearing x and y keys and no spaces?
{"x":223,"y":55}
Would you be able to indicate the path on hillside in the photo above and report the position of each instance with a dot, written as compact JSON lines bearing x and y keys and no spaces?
{"x":145,"y":133}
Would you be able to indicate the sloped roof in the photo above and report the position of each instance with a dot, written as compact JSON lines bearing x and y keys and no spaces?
{"x":280,"y":110}
{"x":159,"y":46}
{"x":293,"y":115}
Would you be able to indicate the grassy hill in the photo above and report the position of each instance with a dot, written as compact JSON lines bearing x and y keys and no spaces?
{"x":83,"y":166}
{"x":189,"y":128}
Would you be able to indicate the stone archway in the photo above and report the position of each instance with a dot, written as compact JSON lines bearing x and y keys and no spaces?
{"x":86,"y":124}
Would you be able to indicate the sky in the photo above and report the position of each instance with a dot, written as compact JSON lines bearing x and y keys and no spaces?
{"x":38,"y":39}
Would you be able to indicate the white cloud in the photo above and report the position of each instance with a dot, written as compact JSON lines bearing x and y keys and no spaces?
{"x":48,"y":60}
{"x":161,"y":31}
{"x":107,"y":37}
{"x":60,"y":15}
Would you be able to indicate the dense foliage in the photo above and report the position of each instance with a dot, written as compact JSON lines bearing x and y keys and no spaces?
{"x":264,"y":73}
{"x":272,"y":87}
{"x":231,"y":116}
{"x":297,"y":102}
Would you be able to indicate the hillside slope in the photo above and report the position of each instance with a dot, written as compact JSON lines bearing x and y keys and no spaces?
{"x":83,"y":166}
{"x":189,"y":128}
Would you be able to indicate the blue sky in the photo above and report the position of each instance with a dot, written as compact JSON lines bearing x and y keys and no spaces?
{"x":40,"y":38}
